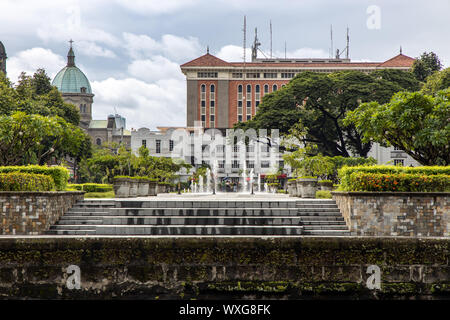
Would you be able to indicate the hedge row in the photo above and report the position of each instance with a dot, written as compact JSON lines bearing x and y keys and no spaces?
{"x":406,"y":182}
{"x":91,"y":187}
{"x":60,"y":175}
{"x":18,"y":181}
{"x":345,"y":172}
{"x":136,"y":178}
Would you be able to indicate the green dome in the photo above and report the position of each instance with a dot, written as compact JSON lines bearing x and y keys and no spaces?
{"x":70,"y":80}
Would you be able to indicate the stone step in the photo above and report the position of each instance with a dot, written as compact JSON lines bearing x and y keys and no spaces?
{"x":71,"y":232}
{"x":332,"y":233}
{"x":177,"y":220}
{"x":204,"y":204}
{"x":180,"y":230}
{"x":325,"y":227}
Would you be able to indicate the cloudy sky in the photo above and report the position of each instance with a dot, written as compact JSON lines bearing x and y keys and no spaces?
{"x":131,"y":50}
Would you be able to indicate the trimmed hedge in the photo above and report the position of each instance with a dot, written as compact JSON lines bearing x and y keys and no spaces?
{"x":91,"y":187}
{"x":345,"y":172}
{"x":18,"y":181}
{"x":323,"y":194}
{"x":59,"y":174}
{"x":403,"y":182}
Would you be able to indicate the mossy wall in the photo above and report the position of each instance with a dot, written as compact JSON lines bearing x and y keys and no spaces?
{"x":213,"y":268}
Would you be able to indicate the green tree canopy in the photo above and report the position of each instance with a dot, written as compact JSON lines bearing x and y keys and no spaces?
{"x":320,"y":102}
{"x":412,"y":121}
{"x":437,"y":81}
{"x":426,"y":65}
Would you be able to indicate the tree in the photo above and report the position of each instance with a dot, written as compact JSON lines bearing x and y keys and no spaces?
{"x":26,"y":139}
{"x":320,"y":102}
{"x":437,"y":81}
{"x":426,"y":65}
{"x":412,"y":121}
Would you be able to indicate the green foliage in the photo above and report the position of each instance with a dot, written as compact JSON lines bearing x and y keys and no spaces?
{"x":437,"y":81}
{"x":91,"y":187}
{"x":426,"y":65}
{"x":413,"y":122}
{"x":97,"y":195}
{"x":136,"y":178}
{"x":323,"y":194}
{"x":19,"y":181}
{"x":361,"y":181}
{"x":346,"y":172}
{"x":59,"y":174}
{"x":320,"y":102}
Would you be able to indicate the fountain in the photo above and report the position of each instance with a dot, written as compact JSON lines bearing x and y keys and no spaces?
{"x":251,"y":181}
{"x":259,"y":182}
{"x":201,"y":185}
{"x":244,"y":177}
{"x":208,"y":181}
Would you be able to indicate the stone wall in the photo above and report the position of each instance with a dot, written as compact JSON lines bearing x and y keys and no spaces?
{"x":416,"y":214}
{"x":31,"y":213}
{"x":224,"y":268}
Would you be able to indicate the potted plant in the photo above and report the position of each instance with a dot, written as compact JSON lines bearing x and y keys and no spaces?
{"x":326,"y":185}
{"x":292,"y":187}
{"x":308,"y":186}
{"x":121,"y":185}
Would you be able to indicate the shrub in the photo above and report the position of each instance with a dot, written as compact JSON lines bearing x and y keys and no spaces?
{"x":59,"y":174}
{"x":322,"y":194}
{"x":109,"y":194}
{"x":345,"y":172}
{"x":18,"y":181}
{"x":406,"y":182}
{"x":91,"y":187}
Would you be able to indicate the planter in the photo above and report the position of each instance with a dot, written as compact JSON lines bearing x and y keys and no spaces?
{"x":161,"y":188}
{"x":308,"y":187}
{"x":122,"y":187}
{"x":299,"y":188}
{"x":152,"y":186}
{"x":326,"y":185}
{"x":292,"y":188}
{"x":143,"y":186}
{"x":133,"y":188}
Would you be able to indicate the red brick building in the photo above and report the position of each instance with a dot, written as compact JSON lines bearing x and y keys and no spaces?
{"x":221,"y":93}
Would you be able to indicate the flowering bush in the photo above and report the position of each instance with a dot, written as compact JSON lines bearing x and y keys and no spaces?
{"x":17,"y":181}
{"x":406,"y":182}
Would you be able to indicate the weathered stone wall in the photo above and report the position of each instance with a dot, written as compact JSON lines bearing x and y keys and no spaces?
{"x":31,"y":213}
{"x":211,"y":268}
{"x":416,"y":214}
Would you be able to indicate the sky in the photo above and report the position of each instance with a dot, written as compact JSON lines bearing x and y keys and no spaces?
{"x":131,"y":50}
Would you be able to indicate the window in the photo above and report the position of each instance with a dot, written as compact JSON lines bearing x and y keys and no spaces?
{"x":222,"y":164}
{"x":266,"y":89}
{"x":158,"y":146}
{"x":265,"y":164}
{"x":248,"y":109}
{"x":397,"y":148}
{"x":236,"y":75}
{"x":83,"y":108}
{"x":212,"y":111}
{"x":399,"y":162}
{"x":235,"y":164}
{"x":257,"y":97}
{"x":281,"y":164}
{"x":235,"y":148}
{"x":83,"y":90}
{"x":203,"y":104}
{"x":144,"y":143}
{"x":287,"y":75}
{"x":253,"y":75}
{"x":98,"y":141}
{"x":170,"y":145}
{"x":239,"y":103}
{"x":207,"y":74}
{"x":249,"y":148}
{"x":220,"y":148}
{"x":270,"y":75}
{"x":250,"y":164}
{"x":274,"y":88}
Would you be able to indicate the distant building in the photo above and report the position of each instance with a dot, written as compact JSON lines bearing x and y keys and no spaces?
{"x":76,"y":89}
{"x":392,"y":156}
{"x":3,"y":58}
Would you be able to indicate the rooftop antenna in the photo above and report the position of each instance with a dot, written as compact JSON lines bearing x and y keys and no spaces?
{"x":270,"y":39}
{"x":400,"y":49}
{"x":285,"y":49}
{"x":255,"y":46}
{"x":348,"y":46}
{"x":331,"y":35}
{"x":244,"y":44}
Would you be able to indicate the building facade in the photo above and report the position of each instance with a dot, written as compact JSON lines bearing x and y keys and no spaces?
{"x":76,"y":89}
{"x":221,"y":93}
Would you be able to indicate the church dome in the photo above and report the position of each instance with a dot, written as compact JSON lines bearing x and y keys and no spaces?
{"x":2,"y":50}
{"x":71,"y":79}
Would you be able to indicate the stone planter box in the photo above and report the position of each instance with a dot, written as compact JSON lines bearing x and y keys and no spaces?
{"x":411,"y":214}
{"x":143,"y":186}
{"x":122,"y":187}
{"x":134,"y":187}
{"x":292,"y":188}
{"x":308,"y":187}
{"x":326,"y":186}
{"x":161,"y":188}
{"x":152,"y":186}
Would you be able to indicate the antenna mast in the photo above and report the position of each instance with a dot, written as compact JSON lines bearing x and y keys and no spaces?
{"x":244,"y":44}
{"x":348,"y":46}
{"x":331,"y":34}
{"x":270,"y":39}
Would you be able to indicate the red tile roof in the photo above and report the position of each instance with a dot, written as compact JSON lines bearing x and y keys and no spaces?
{"x":398,"y":61}
{"x":206,"y":60}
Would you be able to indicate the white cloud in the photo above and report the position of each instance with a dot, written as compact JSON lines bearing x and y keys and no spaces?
{"x":91,"y":49}
{"x":143,"y":104}
{"x":154,"y":7}
{"x":303,"y":53}
{"x":32,"y":59}
{"x":173,"y":47}
{"x":154,"y":69}
{"x":232,"y":53}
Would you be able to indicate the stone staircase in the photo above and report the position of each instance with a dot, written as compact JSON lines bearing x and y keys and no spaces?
{"x":198,"y":218}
